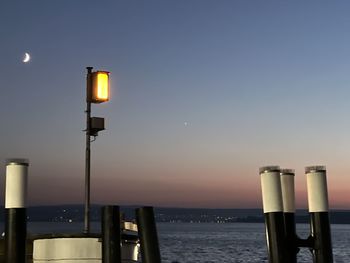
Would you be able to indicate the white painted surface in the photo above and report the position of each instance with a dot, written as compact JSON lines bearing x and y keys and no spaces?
{"x":271,"y":191}
{"x":84,"y":248}
{"x":317,"y":191}
{"x":131,"y":226}
{"x":69,"y":261}
{"x":16,"y":185}
{"x":288,"y":193}
{"x":76,"y":250}
{"x":130,"y":252}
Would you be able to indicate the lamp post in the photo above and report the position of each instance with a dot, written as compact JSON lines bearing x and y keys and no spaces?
{"x":97,"y":91}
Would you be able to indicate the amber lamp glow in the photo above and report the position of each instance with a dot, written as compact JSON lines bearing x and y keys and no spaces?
{"x":100,"y":86}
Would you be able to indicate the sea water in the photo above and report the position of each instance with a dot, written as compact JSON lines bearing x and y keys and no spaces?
{"x":210,"y":242}
{"x":236,"y":242}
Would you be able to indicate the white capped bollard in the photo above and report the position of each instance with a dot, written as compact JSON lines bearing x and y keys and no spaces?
{"x":15,"y":210}
{"x":288,"y":196}
{"x":318,"y":207}
{"x":273,"y":212}
{"x":288,"y":192}
{"x":279,"y":197}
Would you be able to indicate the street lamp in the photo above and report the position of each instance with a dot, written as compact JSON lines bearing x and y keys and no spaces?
{"x":97,"y":91}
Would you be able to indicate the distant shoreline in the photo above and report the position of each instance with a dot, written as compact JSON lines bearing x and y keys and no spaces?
{"x":74,"y":213}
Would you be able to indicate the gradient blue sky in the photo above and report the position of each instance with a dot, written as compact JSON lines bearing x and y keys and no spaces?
{"x":257,"y":82}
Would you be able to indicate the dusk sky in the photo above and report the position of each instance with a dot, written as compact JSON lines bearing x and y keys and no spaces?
{"x":203,"y":93}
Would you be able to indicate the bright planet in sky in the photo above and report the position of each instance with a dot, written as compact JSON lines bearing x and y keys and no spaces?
{"x":26,"y":57}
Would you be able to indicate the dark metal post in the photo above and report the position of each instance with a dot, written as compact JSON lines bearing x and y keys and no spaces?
{"x":87,"y":152}
{"x":318,"y":208}
{"x":288,"y":196}
{"x":274,"y":217}
{"x":111,"y":235}
{"x":15,"y":211}
{"x":148,"y":235}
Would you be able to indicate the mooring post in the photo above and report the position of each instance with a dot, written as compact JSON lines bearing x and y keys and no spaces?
{"x":273,"y":212}
{"x":15,"y":210}
{"x":288,"y":196}
{"x":148,"y":235}
{"x":111,"y":235}
{"x":318,"y":209}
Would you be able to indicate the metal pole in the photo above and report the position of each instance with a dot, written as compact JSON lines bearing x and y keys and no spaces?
{"x":148,"y":235}
{"x":274,"y":217}
{"x":15,"y":211}
{"x":288,"y":196}
{"x":318,"y":208}
{"x":87,"y":152}
{"x":111,"y":235}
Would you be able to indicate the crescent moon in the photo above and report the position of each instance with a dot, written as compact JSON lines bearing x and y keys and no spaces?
{"x":26,"y":58}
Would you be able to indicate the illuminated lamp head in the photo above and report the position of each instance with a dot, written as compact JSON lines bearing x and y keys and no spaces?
{"x":99,"y":86}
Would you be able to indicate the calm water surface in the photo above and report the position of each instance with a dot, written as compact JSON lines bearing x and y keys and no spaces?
{"x":237,"y":242}
{"x":209,"y":242}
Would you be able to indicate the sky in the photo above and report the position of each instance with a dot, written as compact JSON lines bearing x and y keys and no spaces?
{"x":203,"y":93}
